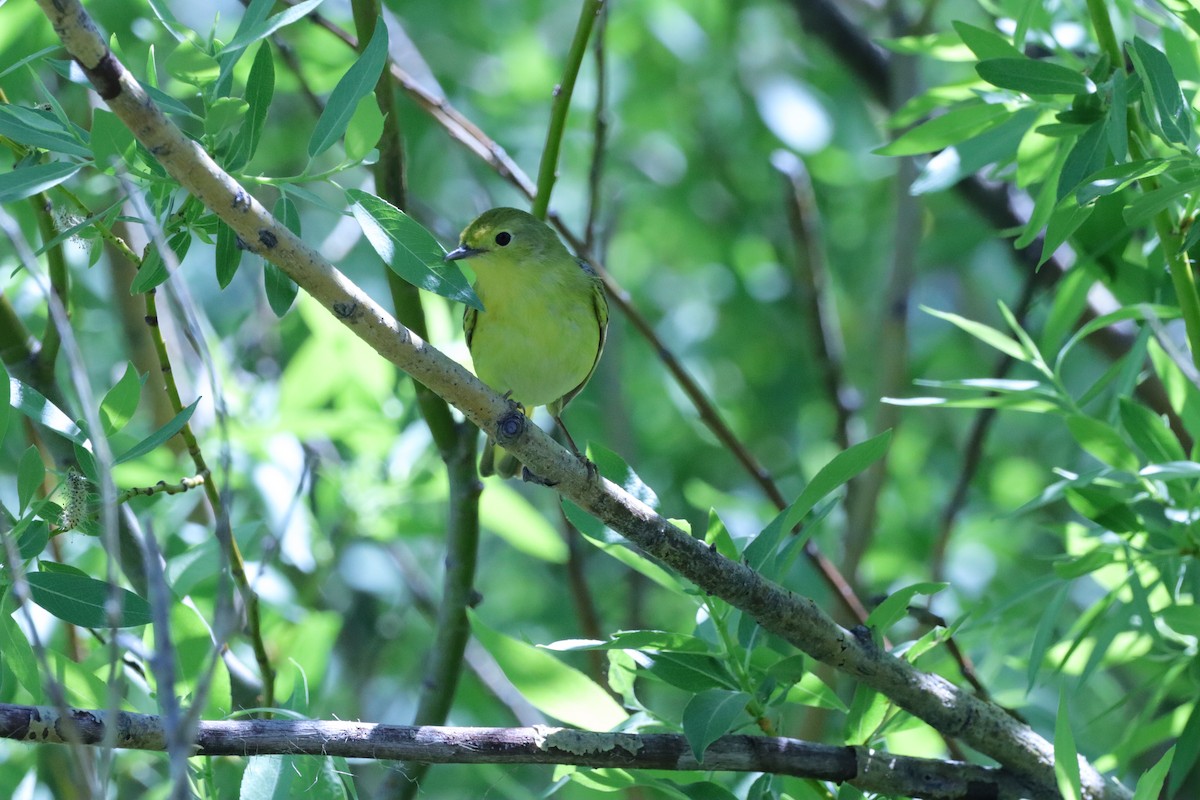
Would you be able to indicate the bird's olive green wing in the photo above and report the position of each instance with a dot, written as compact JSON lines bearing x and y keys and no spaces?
{"x":470,"y":316}
{"x":600,"y":306}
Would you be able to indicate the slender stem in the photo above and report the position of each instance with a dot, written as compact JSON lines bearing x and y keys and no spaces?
{"x":1183,"y":279}
{"x":60,"y":279}
{"x":548,"y":169}
{"x":1105,"y":36}
{"x":812,"y":283}
{"x":599,"y":133}
{"x":455,"y":442}
{"x":237,"y":564}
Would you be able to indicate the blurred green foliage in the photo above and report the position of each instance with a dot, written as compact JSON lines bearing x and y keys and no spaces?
{"x":1069,"y":566}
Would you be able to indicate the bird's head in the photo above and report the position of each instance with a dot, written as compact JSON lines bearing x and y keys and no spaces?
{"x":506,"y":233}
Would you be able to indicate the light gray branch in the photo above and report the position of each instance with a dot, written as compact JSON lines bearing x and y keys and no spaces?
{"x":982,"y":725}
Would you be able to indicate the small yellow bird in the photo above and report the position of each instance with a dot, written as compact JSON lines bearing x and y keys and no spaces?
{"x":544,"y":321}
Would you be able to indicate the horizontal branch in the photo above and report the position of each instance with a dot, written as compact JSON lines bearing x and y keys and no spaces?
{"x":867,"y":769}
{"x":796,"y":619}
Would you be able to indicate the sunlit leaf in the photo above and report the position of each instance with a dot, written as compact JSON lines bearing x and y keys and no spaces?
{"x":553,"y":688}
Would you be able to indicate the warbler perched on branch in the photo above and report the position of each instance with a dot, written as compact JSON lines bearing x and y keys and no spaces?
{"x":544,"y":321}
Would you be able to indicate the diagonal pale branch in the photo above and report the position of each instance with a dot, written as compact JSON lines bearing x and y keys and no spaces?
{"x":867,"y":769}
{"x":798,"y":620}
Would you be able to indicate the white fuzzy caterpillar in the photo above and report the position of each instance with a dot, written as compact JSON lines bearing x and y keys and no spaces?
{"x":75,"y":506}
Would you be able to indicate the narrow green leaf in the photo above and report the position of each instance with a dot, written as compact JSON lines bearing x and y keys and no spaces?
{"x":895,"y":606}
{"x":357,"y":83}
{"x":112,"y":142}
{"x":1183,"y":619}
{"x":6,"y":401}
{"x":613,"y":467}
{"x":1108,"y":509}
{"x":154,"y":269}
{"x":1172,"y":471}
{"x":267,"y":778}
{"x":1086,"y":157}
{"x":1117,"y":177}
{"x":28,"y":181}
{"x":1143,"y":208}
{"x":994,"y":146}
{"x":260,"y":89}
{"x":984,"y":333}
{"x":1033,"y":77}
{"x":1066,"y":757}
{"x":249,"y":34}
{"x":692,"y":672}
{"x":1150,"y":432}
{"x":716,"y":534}
{"x":190,"y":64}
{"x":1150,"y":784}
{"x":29,"y":59}
{"x":868,"y":708}
{"x":1171,"y":116}
{"x":32,"y":538}
{"x":1044,"y":203}
{"x":956,"y":125}
{"x":409,"y":250}
{"x":840,"y":469}
{"x":41,"y":129}
{"x":649,"y":640}
{"x":985,"y":44}
{"x":364,"y":129}
{"x":17,"y":653}
{"x":121,"y":401}
{"x":224,"y":115}
{"x":509,"y":514}
{"x":1063,"y":222}
{"x":1141,"y":311}
{"x":1103,"y":442}
{"x":593,"y":531}
{"x":1044,"y":634}
{"x":30,"y":402}
{"x":228,"y":256}
{"x":709,"y":715}
{"x":82,"y":601}
{"x":31,"y":470}
{"x":159,"y":436}
{"x":281,"y":289}
{"x":1118,"y":122}
{"x":552,"y":687}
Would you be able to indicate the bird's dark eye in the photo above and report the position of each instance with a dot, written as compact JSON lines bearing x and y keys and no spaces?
{"x":503,"y":238}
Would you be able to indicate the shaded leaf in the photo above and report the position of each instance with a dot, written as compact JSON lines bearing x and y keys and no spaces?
{"x":28,"y":181}
{"x":82,"y":601}
{"x":159,"y":436}
{"x":709,"y":715}
{"x":358,"y":82}
{"x":1033,"y":77}
{"x":409,"y":250}
{"x":1170,"y":115}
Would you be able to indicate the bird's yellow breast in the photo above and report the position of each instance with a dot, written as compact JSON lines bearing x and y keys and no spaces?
{"x":536,"y":338}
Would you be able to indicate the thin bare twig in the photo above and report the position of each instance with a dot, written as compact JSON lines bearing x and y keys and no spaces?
{"x":862,"y":767}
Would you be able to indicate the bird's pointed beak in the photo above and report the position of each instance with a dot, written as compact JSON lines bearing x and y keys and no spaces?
{"x":462,"y":252}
